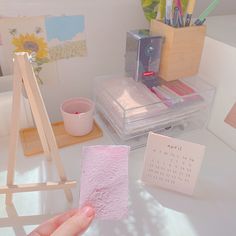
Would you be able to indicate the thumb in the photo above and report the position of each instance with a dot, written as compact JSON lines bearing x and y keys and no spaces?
{"x":77,"y":224}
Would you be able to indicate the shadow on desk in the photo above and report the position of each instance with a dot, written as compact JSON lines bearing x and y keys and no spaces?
{"x":17,"y":222}
{"x":152,"y":212}
{"x":147,"y":217}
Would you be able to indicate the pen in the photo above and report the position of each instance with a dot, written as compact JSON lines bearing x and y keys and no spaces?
{"x":190,"y":8}
{"x":180,"y":20}
{"x":168,"y":16}
{"x":175,"y":17}
{"x":205,"y":13}
{"x":180,"y":13}
{"x":198,"y":22}
{"x":179,"y":5}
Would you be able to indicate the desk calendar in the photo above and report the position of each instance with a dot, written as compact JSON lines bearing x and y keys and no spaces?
{"x":172,"y":163}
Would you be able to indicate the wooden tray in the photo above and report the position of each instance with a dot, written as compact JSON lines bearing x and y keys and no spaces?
{"x":31,"y":143}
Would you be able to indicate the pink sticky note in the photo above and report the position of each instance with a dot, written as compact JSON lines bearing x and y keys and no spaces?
{"x":0,"y":39}
{"x":231,"y":117}
{"x":104,"y":180}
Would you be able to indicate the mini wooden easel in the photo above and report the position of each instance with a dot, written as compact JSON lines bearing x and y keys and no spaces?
{"x":24,"y":75}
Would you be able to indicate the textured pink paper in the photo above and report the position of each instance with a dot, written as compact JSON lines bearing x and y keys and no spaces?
{"x":104,"y":180}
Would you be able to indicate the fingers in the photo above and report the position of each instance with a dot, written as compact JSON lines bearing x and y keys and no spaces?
{"x":51,"y":225}
{"x":77,"y":224}
{"x":70,"y":223}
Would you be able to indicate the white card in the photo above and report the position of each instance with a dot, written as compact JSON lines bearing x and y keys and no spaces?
{"x":172,"y":163}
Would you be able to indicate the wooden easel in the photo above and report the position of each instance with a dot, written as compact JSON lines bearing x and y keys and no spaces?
{"x":24,"y":75}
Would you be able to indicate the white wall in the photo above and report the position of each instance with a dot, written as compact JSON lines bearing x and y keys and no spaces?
{"x":107,"y":22}
{"x":219,"y":53}
{"x":225,"y":7}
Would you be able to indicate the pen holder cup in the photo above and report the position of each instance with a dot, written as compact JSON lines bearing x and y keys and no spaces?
{"x":77,"y":114}
{"x":181,"y":50}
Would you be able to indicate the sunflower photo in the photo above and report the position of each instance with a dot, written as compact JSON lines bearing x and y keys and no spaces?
{"x":47,"y":39}
{"x":24,"y":34}
{"x":31,"y":43}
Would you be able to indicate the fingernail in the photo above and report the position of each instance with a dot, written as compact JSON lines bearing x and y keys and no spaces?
{"x":88,"y":211}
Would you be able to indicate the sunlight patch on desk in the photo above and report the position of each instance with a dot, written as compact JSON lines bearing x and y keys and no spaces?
{"x":32,"y":175}
{"x":173,"y":223}
{"x":147,"y":216}
{"x":7,"y":231}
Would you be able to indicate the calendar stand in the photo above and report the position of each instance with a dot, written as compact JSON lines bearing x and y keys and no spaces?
{"x":24,"y":75}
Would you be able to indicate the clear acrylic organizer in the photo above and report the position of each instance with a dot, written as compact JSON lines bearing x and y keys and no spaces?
{"x":130,"y":110}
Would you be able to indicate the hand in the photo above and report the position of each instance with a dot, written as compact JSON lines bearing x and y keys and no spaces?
{"x":73,"y":222}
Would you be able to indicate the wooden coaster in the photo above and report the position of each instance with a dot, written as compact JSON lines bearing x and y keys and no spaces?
{"x":32,"y":145}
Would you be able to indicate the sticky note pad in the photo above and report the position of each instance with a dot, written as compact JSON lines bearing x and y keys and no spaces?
{"x":231,"y":117}
{"x":172,"y":163}
{"x":104,"y":180}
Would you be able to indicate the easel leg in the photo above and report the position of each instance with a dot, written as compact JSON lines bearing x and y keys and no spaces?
{"x":44,"y":125}
{"x":60,"y":170}
{"x":23,"y":73}
{"x":42,"y":136}
{"x":15,"y":122}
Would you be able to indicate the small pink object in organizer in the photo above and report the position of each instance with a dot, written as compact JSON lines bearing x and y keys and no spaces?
{"x":172,"y":163}
{"x":104,"y":180}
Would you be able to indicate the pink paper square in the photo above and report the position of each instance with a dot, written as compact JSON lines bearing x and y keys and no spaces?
{"x":104,"y":180}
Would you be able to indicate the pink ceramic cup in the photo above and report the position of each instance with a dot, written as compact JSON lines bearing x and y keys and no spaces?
{"x":77,"y":114}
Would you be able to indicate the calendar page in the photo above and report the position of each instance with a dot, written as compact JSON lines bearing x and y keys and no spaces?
{"x":172,"y":163}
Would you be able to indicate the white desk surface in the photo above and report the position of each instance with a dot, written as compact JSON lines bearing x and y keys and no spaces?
{"x":152,"y":211}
